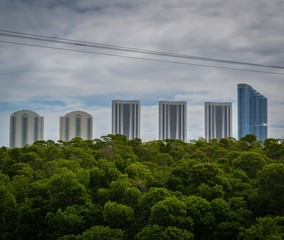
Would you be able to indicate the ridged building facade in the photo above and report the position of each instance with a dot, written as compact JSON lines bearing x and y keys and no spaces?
{"x":126,"y":118}
{"x":218,"y":120}
{"x":76,"y":124}
{"x":172,"y":120}
{"x":26,"y":127}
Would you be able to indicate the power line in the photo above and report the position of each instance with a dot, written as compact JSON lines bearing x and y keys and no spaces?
{"x":126,"y":49}
{"x":141,"y":58}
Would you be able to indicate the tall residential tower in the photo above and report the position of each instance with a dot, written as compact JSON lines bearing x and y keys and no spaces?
{"x":76,"y":124}
{"x":26,"y":127}
{"x":126,"y":118}
{"x":252,"y":112}
{"x":218,"y":120}
{"x":172,"y":120}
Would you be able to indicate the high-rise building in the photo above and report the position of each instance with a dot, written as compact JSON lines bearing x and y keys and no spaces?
{"x":126,"y":118}
{"x":172,"y":120}
{"x":26,"y":127}
{"x":76,"y":124}
{"x":252,"y":112}
{"x":218,"y":120}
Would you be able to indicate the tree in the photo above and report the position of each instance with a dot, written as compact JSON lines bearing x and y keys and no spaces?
{"x":153,"y":196}
{"x":117,"y":215}
{"x":210,"y":193}
{"x":103,"y":233}
{"x":176,"y":148}
{"x":73,"y":220}
{"x":179,"y":178}
{"x":5,"y":159}
{"x":240,"y":213}
{"x":20,"y":187}
{"x":114,"y":188}
{"x":120,"y":191}
{"x":102,"y":175}
{"x":267,"y":228}
{"x":164,"y":233}
{"x":250,"y":163}
{"x":171,"y":212}
{"x":249,"y":138}
{"x":64,"y":189}
{"x":8,"y":212}
{"x":271,"y":188}
{"x":30,"y":223}
{"x":226,"y":227}
{"x":228,"y":143}
{"x":200,"y":211}
{"x":147,"y":151}
{"x":140,"y":174}
{"x":274,"y":148}
{"x":206,"y":173}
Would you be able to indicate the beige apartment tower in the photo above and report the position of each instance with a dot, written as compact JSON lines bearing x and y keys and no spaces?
{"x":76,"y":124}
{"x":26,"y":127}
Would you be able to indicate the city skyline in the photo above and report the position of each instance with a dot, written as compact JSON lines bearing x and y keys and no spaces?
{"x":187,"y":35}
{"x":126,"y":119}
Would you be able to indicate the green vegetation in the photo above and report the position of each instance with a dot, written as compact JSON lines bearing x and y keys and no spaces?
{"x":114,"y":188}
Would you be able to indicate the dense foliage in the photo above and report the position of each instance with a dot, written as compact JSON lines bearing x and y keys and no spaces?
{"x":114,"y":188}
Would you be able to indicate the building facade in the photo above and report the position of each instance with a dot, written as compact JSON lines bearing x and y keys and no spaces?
{"x":252,"y":113}
{"x":76,"y":124}
{"x":218,"y":120}
{"x":26,"y":127}
{"x":126,"y":118}
{"x":172,"y":120}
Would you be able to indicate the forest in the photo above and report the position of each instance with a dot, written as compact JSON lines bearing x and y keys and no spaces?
{"x":112,"y":188}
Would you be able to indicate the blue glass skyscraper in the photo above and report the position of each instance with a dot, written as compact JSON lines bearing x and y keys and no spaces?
{"x":252,"y":112}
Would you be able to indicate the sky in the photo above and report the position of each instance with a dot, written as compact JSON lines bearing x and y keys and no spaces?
{"x":53,"y":82}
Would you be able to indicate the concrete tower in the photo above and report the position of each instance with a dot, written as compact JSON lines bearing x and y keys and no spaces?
{"x":26,"y":127}
{"x":126,"y":118}
{"x":218,"y":120}
{"x":172,"y":120}
{"x":76,"y":124}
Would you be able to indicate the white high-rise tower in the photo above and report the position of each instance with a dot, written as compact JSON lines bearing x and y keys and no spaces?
{"x":218,"y":120}
{"x":126,"y":118}
{"x":172,"y":120}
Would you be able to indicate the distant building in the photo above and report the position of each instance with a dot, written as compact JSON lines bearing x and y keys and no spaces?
{"x":252,"y":112}
{"x":218,"y":120}
{"x":76,"y":124}
{"x":126,"y":118}
{"x":26,"y":127}
{"x":172,"y":120}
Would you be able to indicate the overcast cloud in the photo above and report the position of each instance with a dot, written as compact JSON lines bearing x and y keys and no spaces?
{"x":54,"y":82}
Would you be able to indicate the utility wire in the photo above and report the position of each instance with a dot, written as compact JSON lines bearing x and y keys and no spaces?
{"x":126,"y":49}
{"x":141,"y":58}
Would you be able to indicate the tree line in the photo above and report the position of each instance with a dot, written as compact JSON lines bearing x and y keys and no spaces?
{"x":112,"y":188}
